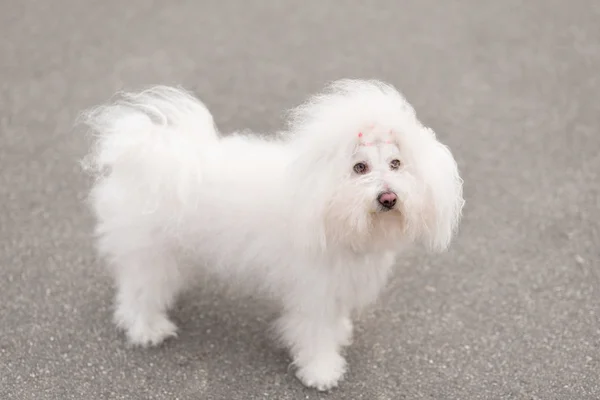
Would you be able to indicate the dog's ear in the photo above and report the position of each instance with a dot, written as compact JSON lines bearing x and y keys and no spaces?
{"x":316,"y":171}
{"x":443,"y":197}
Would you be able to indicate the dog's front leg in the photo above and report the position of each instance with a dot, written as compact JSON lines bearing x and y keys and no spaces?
{"x":312,"y":333}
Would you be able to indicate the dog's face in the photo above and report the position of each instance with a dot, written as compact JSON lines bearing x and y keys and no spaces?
{"x":377,"y":167}
{"x":370,"y":176}
{"x":370,"y":205}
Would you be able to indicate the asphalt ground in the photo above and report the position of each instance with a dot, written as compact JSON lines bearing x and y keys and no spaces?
{"x":512,"y":311}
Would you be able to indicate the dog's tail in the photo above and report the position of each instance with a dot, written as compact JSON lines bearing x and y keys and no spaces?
{"x":156,"y":143}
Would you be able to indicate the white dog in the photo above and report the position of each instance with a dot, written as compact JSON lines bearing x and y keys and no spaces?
{"x":313,"y":217}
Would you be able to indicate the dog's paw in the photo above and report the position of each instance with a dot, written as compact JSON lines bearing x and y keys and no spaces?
{"x":147,"y":331}
{"x":345,"y":332}
{"x":323,"y":372}
{"x":151,"y":333}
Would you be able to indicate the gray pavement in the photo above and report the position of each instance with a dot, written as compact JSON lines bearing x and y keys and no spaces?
{"x":512,"y":311}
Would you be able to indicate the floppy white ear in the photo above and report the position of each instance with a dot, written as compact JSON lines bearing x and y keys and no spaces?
{"x":443,"y":197}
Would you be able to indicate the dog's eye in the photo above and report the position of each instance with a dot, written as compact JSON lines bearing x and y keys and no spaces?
{"x":361,"y":168}
{"x":395,"y":164}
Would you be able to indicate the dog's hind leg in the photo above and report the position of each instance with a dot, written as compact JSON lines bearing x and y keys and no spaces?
{"x":148,"y":282}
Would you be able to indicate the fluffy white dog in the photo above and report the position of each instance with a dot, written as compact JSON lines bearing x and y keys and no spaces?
{"x":312,"y":217}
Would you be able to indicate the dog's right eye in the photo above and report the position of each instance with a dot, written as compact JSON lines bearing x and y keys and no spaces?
{"x":361,"y":168}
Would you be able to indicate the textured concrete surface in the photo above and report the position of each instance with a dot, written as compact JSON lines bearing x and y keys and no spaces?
{"x":511,"y":312}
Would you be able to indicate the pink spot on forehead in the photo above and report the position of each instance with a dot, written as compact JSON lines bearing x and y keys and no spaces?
{"x":361,"y":143}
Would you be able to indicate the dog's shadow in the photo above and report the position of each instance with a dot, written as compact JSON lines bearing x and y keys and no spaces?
{"x":217,"y":325}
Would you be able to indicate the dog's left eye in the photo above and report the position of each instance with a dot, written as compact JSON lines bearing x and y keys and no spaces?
{"x":395,"y":164}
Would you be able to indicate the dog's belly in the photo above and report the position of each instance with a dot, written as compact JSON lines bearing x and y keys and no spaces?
{"x":268,"y":261}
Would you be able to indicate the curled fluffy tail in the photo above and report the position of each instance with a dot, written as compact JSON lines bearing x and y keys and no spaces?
{"x":153,"y":144}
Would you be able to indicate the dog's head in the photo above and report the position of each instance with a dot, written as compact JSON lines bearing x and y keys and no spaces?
{"x":369,"y":175}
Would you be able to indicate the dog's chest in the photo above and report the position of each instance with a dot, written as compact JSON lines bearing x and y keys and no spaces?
{"x":361,"y":279}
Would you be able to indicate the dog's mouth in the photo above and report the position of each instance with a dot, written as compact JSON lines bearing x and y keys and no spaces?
{"x":379,"y":209}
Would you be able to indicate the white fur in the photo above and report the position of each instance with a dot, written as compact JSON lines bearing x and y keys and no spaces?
{"x":284,"y":215}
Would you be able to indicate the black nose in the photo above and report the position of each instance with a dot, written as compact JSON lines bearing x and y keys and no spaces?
{"x":387,"y":199}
